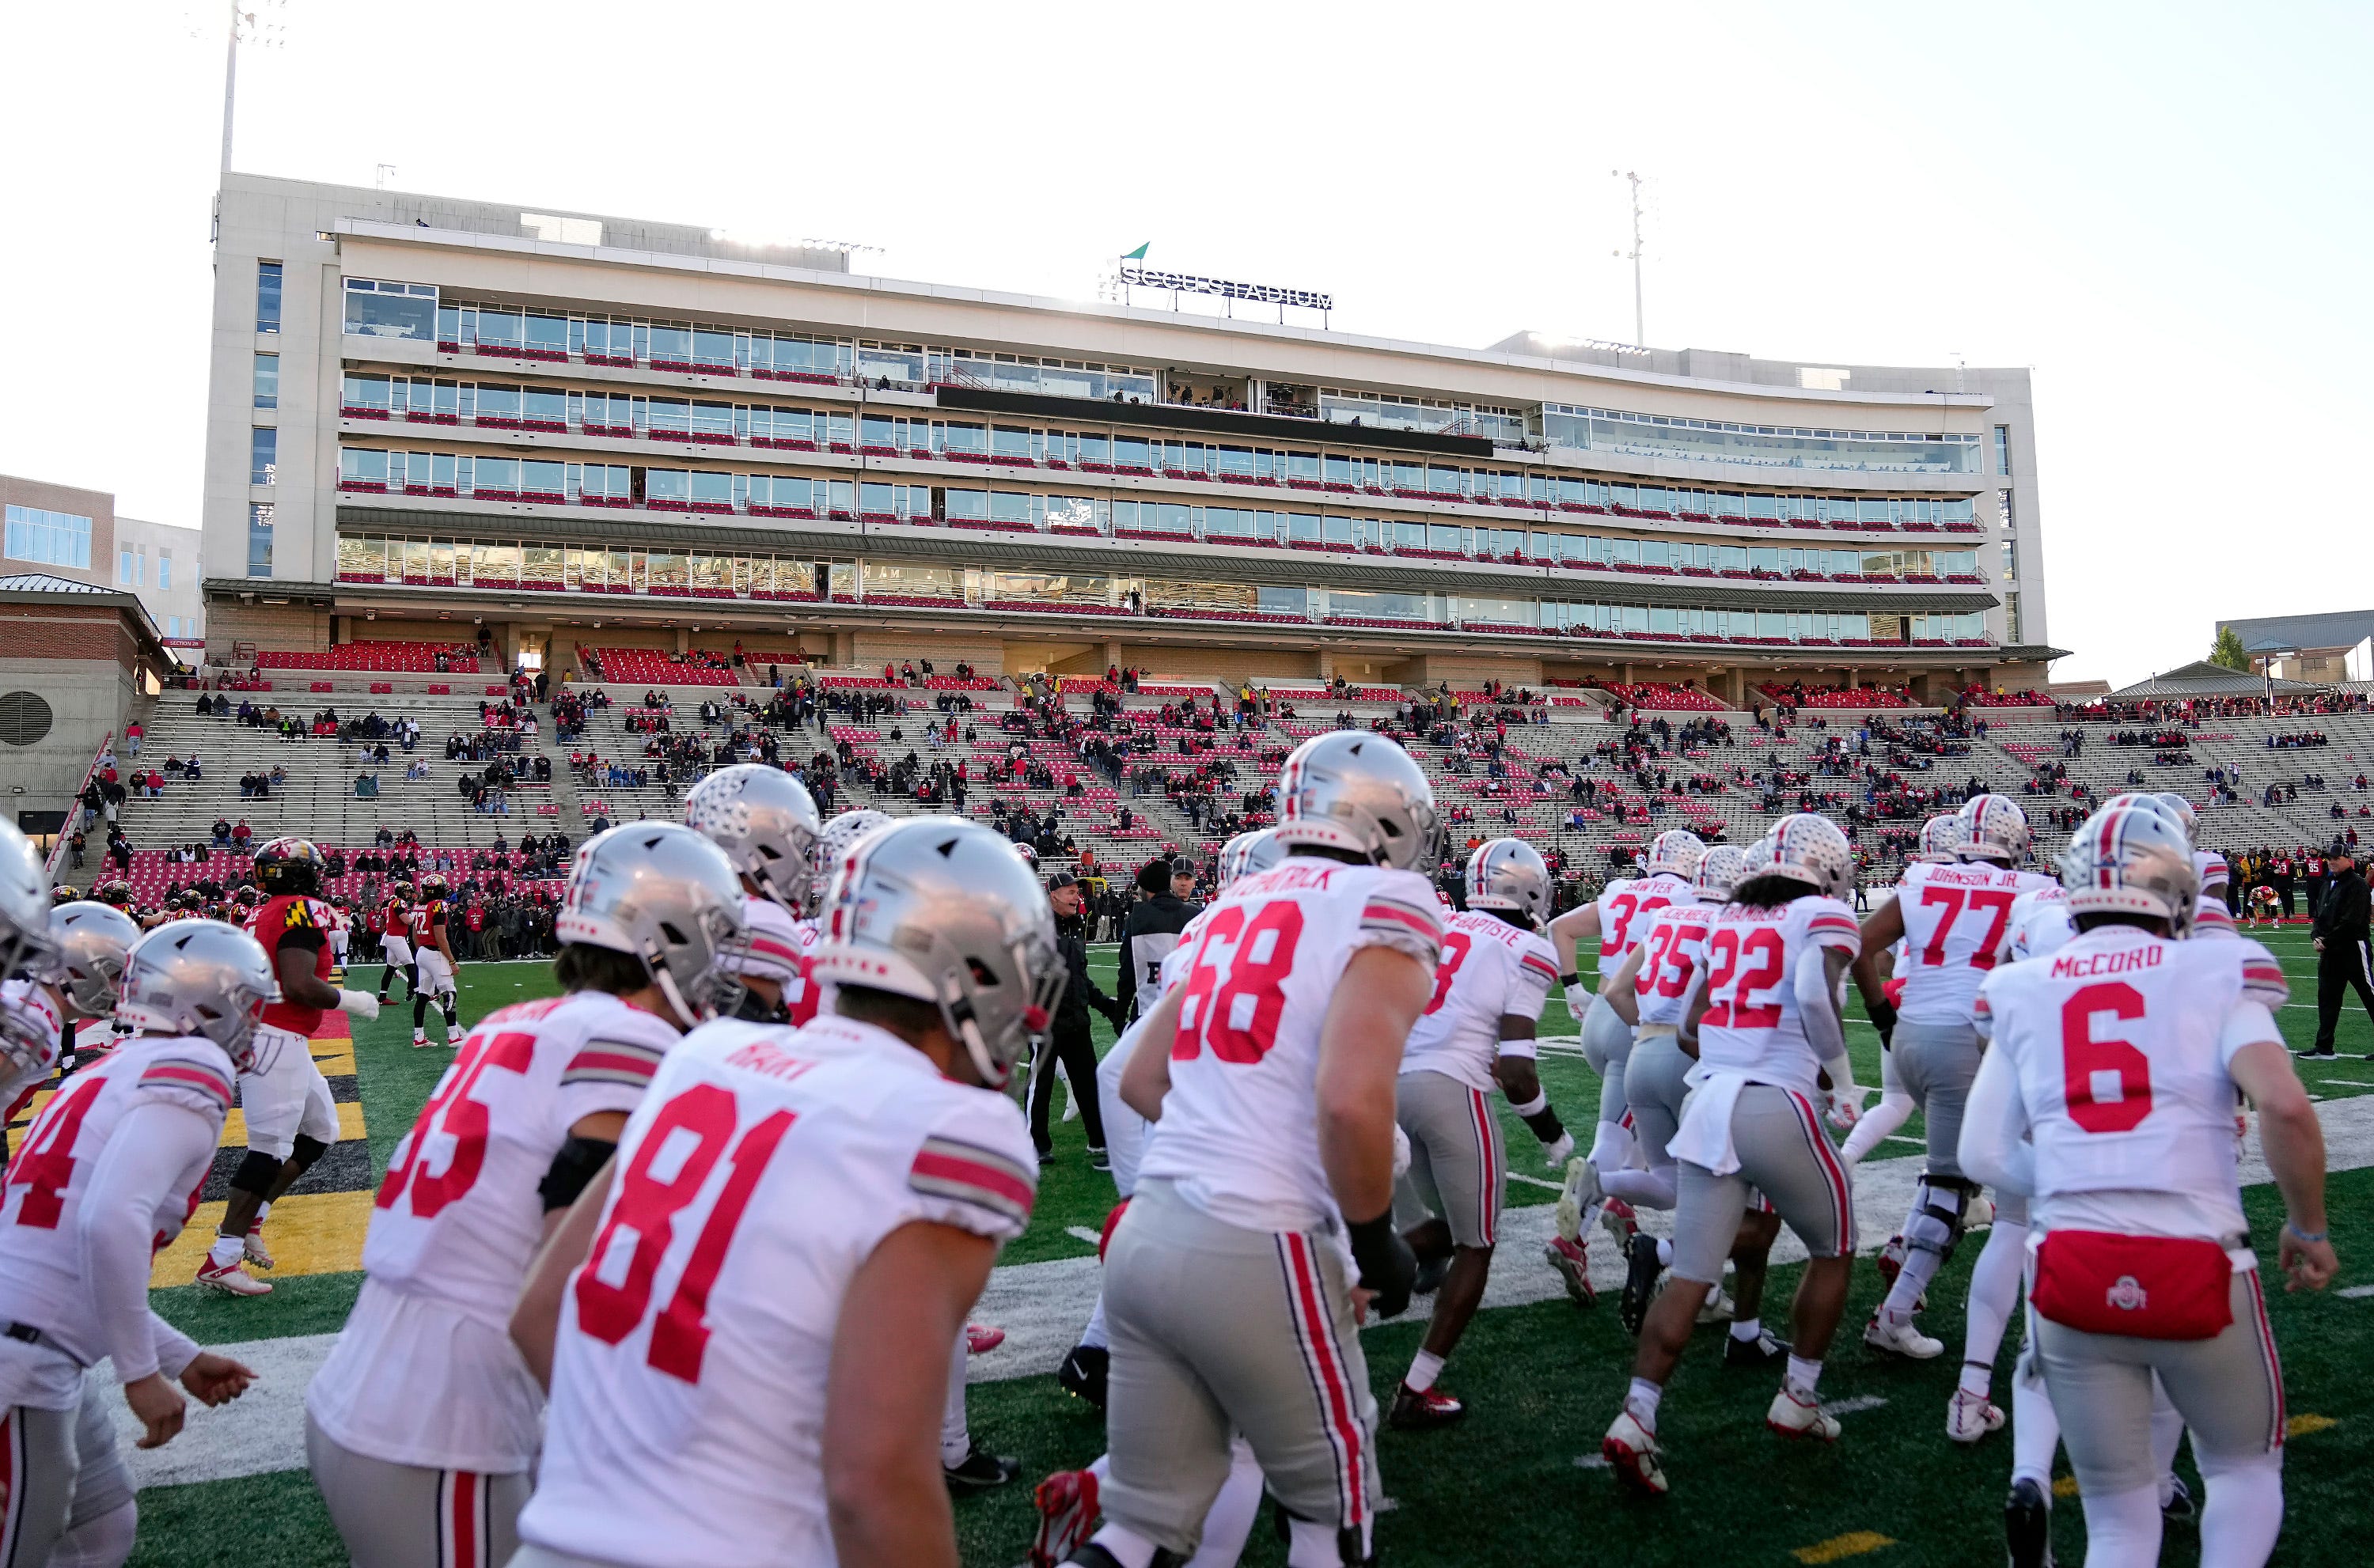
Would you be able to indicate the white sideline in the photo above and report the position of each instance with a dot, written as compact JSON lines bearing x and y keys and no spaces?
{"x":1042,"y":1307}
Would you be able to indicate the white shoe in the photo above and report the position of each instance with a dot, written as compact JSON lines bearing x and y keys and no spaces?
{"x":253,"y":1246}
{"x":1971,"y":1416}
{"x":231,"y":1279}
{"x":1719,"y":1307}
{"x":1793,"y":1414}
{"x":1631,"y":1450}
{"x":419,"y":1039}
{"x":1900,"y":1340}
{"x":455,"y":1034}
{"x":1581,"y":1191}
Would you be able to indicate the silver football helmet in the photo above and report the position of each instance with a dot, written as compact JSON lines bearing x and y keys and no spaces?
{"x":204,"y":977}
{"x":833,"y":844}
{"x":2187,"y":817}
{"x":1942,"y":838}
{"x":1676,"y":852}
{"x":765,"y":821}
{"x":2130,"y":860}
{"x":1997,"y":829}
{"x":668,"y":896}
{"x":24,"y":943}
{"x":941,"y":910}
{"x":1357,"y":790}
{"x":1509,"y":873}
{"x":1248,"y":854}
{"x":1805,"y":848}
{"x":92,"y":939}
{"x":1719,"y":871}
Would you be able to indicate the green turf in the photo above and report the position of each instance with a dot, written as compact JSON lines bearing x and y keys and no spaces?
{"x":1543,"y":1379}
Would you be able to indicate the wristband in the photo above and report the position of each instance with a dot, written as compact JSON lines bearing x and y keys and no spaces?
{"x":1572,"y":977}
{"x":2311,"y":1237}
{"x":1534,"y":1106}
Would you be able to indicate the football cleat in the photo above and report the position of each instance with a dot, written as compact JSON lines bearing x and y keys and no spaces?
{"x":1971,"y":1416}
{"x":1641,"y":1272}
{"x":1579,"y":1192}
{"x":455,"y":1034}
{"x":1619,"y":1221}
{"x":1980,"y":1214}
{"x":1719,"y":1307}
{"x":1902,"y":1339}
{"x":1416,"y":1410}
{"x":1761,"y":1350}
{"x":231,"y":1279}
{"x":1793,"y":1414}
{"x":2027,"y":1525}
{"x":981,"y":1338}
{"x":1428,"y":1279}
{"x":252,"y":1249}
{"x":1082,"y":1373}
{"x":980,"y":1471}
{"x":419,"y":1039}
{"x":1631,"y":1450}
{"x":1567,"y":1258}
{"x":1067,"y":1516}
{"x":2179,"y":1508}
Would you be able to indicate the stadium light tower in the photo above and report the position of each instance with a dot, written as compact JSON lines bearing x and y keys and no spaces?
{"x":1640,"y":328}
{"x":255,"y":22}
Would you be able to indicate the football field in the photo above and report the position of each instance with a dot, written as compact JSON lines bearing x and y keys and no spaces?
{"x":1517,"y":1482}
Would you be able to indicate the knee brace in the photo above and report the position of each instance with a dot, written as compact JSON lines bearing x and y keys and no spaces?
{"x":307,"y":1151}
{"x":1939,"y":1207}
{"x":257,"y":1171}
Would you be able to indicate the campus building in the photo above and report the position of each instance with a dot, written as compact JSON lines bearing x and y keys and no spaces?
{"x":430,"y":417}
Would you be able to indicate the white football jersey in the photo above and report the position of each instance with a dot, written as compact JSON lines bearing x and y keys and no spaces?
{"x":1751,"y":1026}
{"x":774,"y":952}
{"x":1957,"y":927}
{"x":2120,"y":1043}
{"x":2210,"y":867}
{"x":1239,"y":1132}
{"x":1674,"y":966}
{"x":1489,"y":968}
{"x":2211,"y":918}
{"x":1625,"y":906}
{"x":2040,"y":923}
{"x":807,"y":997}
{"x":44,"y":1281}
{"x":1125,"y":1130}
{"x":34,"y":1018}
{"x":434,"y":1380}
{"x":695,"y":1343}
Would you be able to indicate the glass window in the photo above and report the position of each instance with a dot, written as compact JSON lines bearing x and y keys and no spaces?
{"x":259,"y":540}
{"x":395,"y":309}
{"x":268,"y":380}
{"x":164,"y":572}
{"x":56,"y":539}
{"x":1283,"y":601}
{"x":263,"y":455}
{"x":267,"y":297}
{"x":2003,"y":449}
{"x":1388,"y":607}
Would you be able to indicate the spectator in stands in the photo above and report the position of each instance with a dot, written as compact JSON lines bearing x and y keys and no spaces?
{"x":366,"y":785}
{"x":242,"y":834}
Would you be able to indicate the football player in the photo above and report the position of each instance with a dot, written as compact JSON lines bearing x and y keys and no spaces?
{"x":291,"y":1118}
{"x":422,"y":1424}
{"x":32,"y":1018}
{"x":1227,"y":1294}
{"x":808,"y":997}
{"x":1618,"y":917}
{"x":77,"y":981}
{"x":108,"y":1172}
{"x":1942,"y":838}
{"x":765,"y":821}
{"x":1955,"y":920}
{"x":791,"y":1213}
{"x":1768,"y":1027}
{"x":2121,"y":1130}
{"x":432,"y":965}
{"x":396,"y":941}
{"x":1476,"y":1035}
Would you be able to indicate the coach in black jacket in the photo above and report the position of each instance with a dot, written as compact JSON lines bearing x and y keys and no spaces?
{"x":1151,"y":931}
{"x":1069,"y":1041}
{"x":2340,"y":941}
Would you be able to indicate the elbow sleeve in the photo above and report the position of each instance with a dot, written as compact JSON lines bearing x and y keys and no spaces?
{"x":577,"y":1163}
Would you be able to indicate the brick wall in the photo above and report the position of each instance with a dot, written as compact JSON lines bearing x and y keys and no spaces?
{"x":296,"y":628}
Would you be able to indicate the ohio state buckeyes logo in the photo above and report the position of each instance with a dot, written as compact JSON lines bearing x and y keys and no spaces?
{"x":2127,"y":1295}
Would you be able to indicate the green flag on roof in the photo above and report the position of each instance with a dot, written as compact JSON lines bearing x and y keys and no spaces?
{"x":1139,"y":254}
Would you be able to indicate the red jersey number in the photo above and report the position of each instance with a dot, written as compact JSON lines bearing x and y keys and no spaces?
{"x":1455,"y":945}
{"x":2106,"y":1083}
{"x":1739,"y":965}
{"x":1994,"y":903}
{"x":1261,"y":956}
{"x":452,"y":1112}
{"x":45,"y":1166}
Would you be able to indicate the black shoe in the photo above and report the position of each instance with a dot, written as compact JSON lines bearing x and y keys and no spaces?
{"x":2180,"y":1509}
{"x":1640,"y":1282}
{"x":2027,"y":1525}
{"x":1046,"y":1151}
{"x":1082,"y":1373}
{"x":1761,"y":1350}
{"x":980,"y":1471}
{"x":2320,"y":1053}
{"x":1429,"y":1276}
{"x":1416,"y":1411}
{"x":1100,"y":1161}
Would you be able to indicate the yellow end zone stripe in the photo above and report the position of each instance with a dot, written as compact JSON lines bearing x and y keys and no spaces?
{"x":350,"y":1125}
{"x":314,"y":1233}
{"x":1854,"y":1543}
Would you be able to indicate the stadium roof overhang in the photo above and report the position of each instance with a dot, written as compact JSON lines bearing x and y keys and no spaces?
{"x":2205,"y":679}
{"x":42,"y":590}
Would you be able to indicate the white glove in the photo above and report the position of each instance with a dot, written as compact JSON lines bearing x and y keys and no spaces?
{"x":1846,"y":1107}
{"x":1401,"y":1152}
{"x":360,"y":1004}
{"x":1555,"y":1155}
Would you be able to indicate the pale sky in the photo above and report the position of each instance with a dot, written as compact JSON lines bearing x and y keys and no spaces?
{"x":2161,"y":210}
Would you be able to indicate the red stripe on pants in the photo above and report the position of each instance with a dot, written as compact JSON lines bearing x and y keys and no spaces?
{"x":1335,"y":1391}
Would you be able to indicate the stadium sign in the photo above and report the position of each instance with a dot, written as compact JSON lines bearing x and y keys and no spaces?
{"x":1143,"y":276}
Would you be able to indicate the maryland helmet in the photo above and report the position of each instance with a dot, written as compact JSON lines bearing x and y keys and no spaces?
{"x":1675,"y":851}
{"x":203,"y":977}
{"x":117,"y":893}
{"x":432,"y":888}
{"x":289,"y":865}
{"x":939,"y":909}
{"x":2129,"y":861}
{"x":660,"y":893}
{"x":92,"y":939}
{"x":1356,"y":790}
{"x":1510,"y":874}
{"x":765,"y":821}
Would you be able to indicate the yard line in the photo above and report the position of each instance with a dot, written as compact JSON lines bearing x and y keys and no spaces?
{"x":1852,"y":1405}
{"x":1900,"y":1138}
{"x":1537,"y":1181}
{"x":1082,"y":1232}
{"x":1591,"y":1461}
{"x":2356,"y":1292}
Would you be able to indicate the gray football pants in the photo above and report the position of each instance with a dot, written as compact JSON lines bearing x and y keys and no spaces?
{"x":59,"y":1470}
{"x":1216,"y":1331}
{"x":1458,"y":1164}
{"x":1655,"y":1084}
{"x":1935,"y":1064}
{"x":1607,"y":1044}
{"x":1784,"y":1154}
{"x":407,"y":1517}
{"x":2229,"y":1390}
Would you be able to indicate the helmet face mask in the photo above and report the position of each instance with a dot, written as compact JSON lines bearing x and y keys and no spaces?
{"x":2132,"y":860}
{"x":1510,"y":874}
{"x":1358,"y":791}
{"x":661,"y":894}
{"x":765,"y":821}
{"x":201,"y":977}
{"x":289,"y":865}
